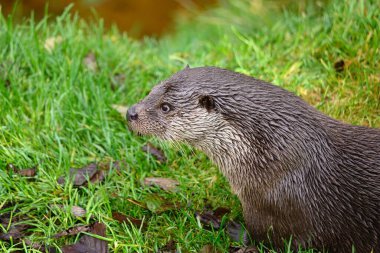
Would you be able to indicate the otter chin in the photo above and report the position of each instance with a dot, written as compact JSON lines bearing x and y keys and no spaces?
{"x":298,"y":173}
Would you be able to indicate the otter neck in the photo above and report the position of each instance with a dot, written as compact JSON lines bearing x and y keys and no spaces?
{"x":252,"y":161}
{"x":232,"y":153}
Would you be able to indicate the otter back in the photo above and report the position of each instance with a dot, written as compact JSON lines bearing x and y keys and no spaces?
{"x":298,"y":173}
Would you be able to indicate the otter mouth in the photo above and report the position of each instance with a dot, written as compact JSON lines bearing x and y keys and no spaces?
{"x":138,"y":132}
{"x":135,"y":131}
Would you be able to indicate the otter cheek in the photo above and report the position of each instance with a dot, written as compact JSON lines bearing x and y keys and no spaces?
{"x":181,"y":129}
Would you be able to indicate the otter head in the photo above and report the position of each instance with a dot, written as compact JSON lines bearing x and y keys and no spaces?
{"x":183,"y":108}
{"x":233,"y":118}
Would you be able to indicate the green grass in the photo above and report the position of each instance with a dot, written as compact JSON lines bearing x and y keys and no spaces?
{"x":57,"y":114}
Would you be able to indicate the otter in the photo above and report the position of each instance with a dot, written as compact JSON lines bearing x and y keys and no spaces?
{"x":298,"y":173}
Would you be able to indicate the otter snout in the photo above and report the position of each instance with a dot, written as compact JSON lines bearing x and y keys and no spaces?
{"x":132,"y":113}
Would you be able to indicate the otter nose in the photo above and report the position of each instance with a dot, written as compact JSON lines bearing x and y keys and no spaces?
{"x":132,"y":114}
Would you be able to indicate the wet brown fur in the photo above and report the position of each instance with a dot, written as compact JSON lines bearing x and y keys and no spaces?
{"x":298,"y":173}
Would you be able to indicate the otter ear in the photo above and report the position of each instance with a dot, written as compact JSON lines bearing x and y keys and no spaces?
{"x":187,"y":66}
{"x":207,"y":102}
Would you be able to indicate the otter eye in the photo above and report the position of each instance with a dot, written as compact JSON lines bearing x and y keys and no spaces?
{"x":165,"y":108}
{"x":207,"y":102}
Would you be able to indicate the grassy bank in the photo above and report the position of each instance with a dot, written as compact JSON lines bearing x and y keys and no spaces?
{"x":56,"y":110}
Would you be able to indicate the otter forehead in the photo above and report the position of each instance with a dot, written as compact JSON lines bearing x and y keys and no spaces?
{"x":229,"y":89}
{"x":202,"y":77}
{"x":158,"y":93}
{"x":212,"y":80}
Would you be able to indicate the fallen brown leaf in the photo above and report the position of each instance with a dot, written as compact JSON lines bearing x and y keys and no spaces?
{"x":89,"y":244}
{"x":34,"y":245}
{"x":73,"y":231}
{"x":122,"y":109}
{"x":117,"y":165}
{"x":89,"y":172}
{"x":166,"y":184}
{"x":155,"y":152}
{"x":250,"y":249}
{"x":209,"y":249}
{"x":15,"y":232}
{"x":30,"y":172}
{"x":221,"y":211}
{"x":51,"y":42}
{"x":78,"y":211}
{"x":113,"y":165}
{"x":90,"y":62}
{"x":127,"y":219}
{"x":27,"y":172}
{"x":11,"y":166}
{"x":339,"y":65}
{"x":212,"y":219}
{"x":99,"y":176}
{"x":209,"y":220}
{"x":237,"y":232}
{"x":138,"y":203}
{"x":156,"y":203}
{"x":170,"y":247}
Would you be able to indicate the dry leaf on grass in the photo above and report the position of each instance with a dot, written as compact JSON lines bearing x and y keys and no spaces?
{"x":339,"y":66}
{"x":73,"y":231}
{"x":30,"y":172}
{"x":250,"y":249}
{"x":34,"y":245}
{"x":237,"y":232}
{"x":27,"y":172}
{"x":138,"y":203}
{"x":78,"y":211}
{"x":14,"y":223}
{"x":212,"y":219}
{"x":209,"y":249}
{"x":169,"y":247}
{"x":156,"y":203}
{"x":166,"y":184}
{"x":99,"y":176}
{"x":15,"y":232}
{"x":122,"y":109}
{"x":221,"y":211}
{"x":19,"y":229}
{"x":89,"y":244}
{"x":127,"y":219}
{"x":93,"y":172}
{"x":51,"y":42}
{"x":155,"y":152}
{"x":81,"y":176}
{"x":90,"y":62}
{"x":116,"y":165}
